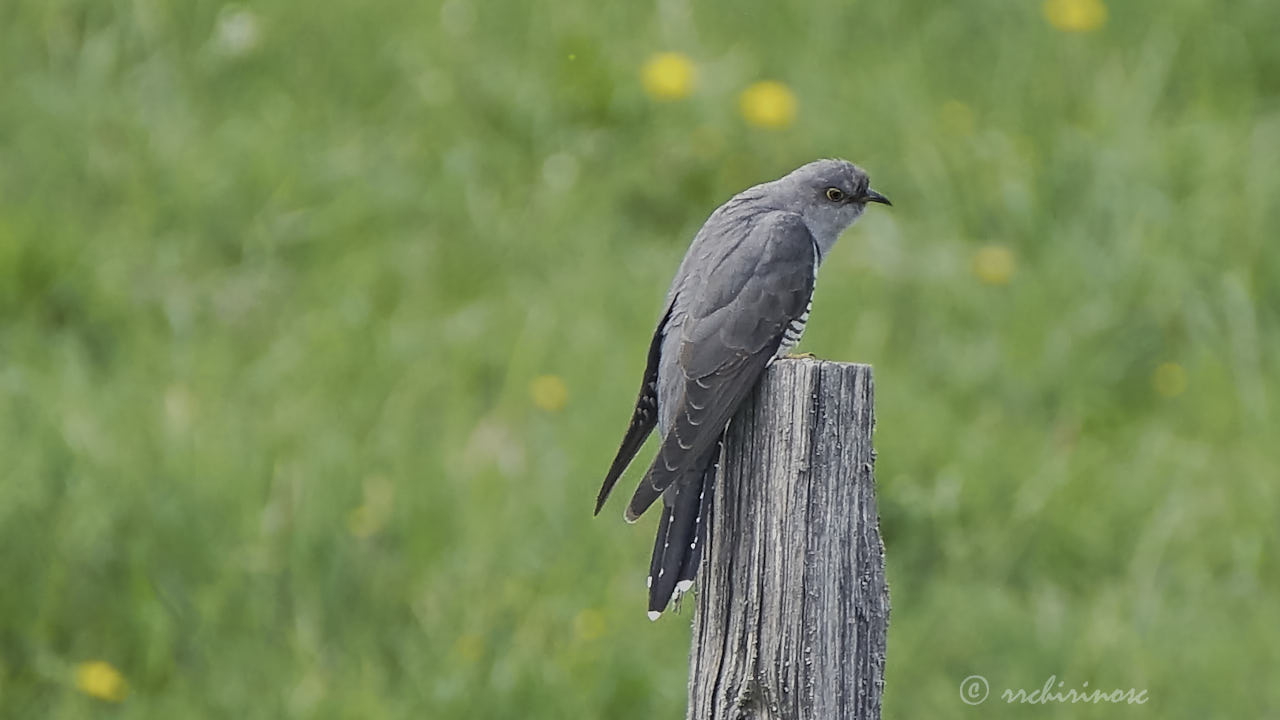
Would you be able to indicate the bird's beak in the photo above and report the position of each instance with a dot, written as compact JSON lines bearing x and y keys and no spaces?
{"x":875,"y":197}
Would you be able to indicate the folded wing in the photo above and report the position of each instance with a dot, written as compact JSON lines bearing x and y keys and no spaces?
{"x":736,"y":314}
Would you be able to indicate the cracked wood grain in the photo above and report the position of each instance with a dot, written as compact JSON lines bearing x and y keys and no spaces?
{"x":793,"y":607}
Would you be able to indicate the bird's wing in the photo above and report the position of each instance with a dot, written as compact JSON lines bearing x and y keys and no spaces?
{"x":643,"y":418}
{"x":737,"y":314}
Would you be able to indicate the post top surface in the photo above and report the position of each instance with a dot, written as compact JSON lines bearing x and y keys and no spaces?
{"x":820,"y":362}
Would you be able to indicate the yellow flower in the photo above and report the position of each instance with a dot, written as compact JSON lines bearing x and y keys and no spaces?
{"x":470,"y":647}
{"x":589,"y":624}
{"x":1169,"y":379}
{"x":1075,"y":15}
{"x":370,"y":517}
{"x":994,"y":264}
{"x":957,"y":118}
{"x":99,"y":679}
{"x":668,"y":76}
{"x":549,"y":393}
{"x":768,"y":104}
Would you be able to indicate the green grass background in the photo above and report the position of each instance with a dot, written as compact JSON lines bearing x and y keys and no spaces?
{"x":248,"y":289}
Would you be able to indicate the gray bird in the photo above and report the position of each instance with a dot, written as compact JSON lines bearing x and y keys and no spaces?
{"x":740,"y":299}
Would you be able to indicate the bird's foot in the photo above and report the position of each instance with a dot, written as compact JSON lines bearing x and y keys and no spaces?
{"x":800,"y":356}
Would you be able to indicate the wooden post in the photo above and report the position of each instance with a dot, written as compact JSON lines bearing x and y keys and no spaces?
{"x":793,"y":606}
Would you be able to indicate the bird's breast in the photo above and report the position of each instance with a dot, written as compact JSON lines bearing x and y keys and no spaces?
{"x":794,"y":329}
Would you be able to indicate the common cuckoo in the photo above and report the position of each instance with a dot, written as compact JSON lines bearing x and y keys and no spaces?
{"x":740,"y":299}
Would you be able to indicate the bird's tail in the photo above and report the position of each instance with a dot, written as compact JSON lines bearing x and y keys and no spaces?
{"x":682,"y":532}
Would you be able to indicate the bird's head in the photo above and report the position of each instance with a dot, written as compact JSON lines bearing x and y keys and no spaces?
{"x":829,"y":194}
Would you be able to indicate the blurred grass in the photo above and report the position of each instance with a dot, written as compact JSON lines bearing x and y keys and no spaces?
{"x":275,"y":281}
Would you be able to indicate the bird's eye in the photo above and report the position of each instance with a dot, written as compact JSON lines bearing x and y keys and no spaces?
{"x":835,"y":194}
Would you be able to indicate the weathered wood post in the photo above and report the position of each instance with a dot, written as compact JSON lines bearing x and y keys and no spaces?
{"x":793,"y":606}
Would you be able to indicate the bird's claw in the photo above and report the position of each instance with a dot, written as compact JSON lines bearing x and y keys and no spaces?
{"x":800,"y":356}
